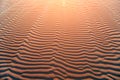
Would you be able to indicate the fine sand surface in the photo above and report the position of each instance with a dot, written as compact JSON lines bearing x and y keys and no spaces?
{"x":60,"y":40}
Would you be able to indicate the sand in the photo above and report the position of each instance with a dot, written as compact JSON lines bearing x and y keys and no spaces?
{"x":60,"y":40}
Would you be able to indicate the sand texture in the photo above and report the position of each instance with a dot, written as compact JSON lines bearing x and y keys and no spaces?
{"x":59,"y":39}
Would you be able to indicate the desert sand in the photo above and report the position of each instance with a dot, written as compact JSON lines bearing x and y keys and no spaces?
{"x":60,"y":40}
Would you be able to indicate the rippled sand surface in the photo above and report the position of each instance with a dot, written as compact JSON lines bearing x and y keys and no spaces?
{"x":59,"y":40}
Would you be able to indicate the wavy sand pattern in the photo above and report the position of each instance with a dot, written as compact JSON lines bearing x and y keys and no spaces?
{"x":60,"y":40}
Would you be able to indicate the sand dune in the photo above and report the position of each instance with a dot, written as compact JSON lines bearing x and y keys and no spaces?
{"x":60,"y":40}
